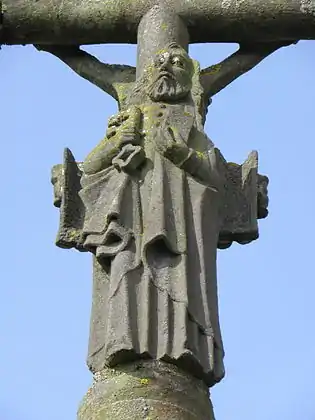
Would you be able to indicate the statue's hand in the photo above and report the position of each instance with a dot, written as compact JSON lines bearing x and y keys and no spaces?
{"x":125,"y":127}
{"x":129,"y":158}
{"x":170,"y":144}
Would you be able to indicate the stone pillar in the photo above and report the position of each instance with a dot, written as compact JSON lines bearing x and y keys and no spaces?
{"x":158,"y":28}
{"x":148,"y":390}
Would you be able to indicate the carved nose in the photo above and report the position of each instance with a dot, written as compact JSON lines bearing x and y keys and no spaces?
{"x":165,"y":65}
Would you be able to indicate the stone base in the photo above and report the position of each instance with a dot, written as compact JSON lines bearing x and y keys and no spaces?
{"x":148,"y":390}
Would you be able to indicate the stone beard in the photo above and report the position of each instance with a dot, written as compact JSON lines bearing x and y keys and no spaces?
{"x":168,"y":79}
{"x":164,"y":88}
{"x":167,"y":88}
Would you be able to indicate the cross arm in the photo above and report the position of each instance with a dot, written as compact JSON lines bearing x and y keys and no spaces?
{"x":105,"y":76}
{"x":116,"y":21}
{"x":218,"y":76}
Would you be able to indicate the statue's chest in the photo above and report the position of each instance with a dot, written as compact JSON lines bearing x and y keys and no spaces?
{"x":156,"y":115}
{"x":158,"y":118}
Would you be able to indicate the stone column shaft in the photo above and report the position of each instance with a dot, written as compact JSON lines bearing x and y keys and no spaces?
{"x":148,"y":390}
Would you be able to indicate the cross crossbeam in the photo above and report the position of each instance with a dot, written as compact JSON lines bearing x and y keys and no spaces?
{"x":116,"y":21}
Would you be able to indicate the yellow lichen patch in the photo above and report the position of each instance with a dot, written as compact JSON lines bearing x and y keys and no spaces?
{"x":201,"y":155}
{"x":73,"y":234}
{"x":123,"y":91}
{"x":213,"y":69}
{"x":162,"y":51}
{"x":174,"y":129}
{"x":144,"y":381}
{"x":164,"y":26}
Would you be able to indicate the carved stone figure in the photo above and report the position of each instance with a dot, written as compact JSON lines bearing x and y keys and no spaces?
{"x":153,"y":202}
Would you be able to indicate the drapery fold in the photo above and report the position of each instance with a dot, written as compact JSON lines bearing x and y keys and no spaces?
{"x":158,"y":234}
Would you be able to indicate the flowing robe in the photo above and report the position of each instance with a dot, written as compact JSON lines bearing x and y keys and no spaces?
{"x":154,"y":235}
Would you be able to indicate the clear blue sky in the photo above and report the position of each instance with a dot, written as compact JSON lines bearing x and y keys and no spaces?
{"x":267,"y":288}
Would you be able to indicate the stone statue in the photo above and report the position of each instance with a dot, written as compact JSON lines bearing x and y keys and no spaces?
{"x":153,"y":202}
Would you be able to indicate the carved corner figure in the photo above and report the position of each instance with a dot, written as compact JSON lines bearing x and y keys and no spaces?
{"x":153,"y":202}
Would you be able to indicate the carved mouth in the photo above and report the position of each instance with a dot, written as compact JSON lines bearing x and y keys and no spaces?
{"x":165,"y":74}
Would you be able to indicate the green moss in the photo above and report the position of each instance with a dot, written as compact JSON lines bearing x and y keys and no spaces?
{"x":164,"y":26}
{"x":150,"y":391}
{"x":162,"y":51}
{"x":201,"y":155}
{"x":73,"y":235}
{"x":213,"y":69}
{"x":123,"y":92}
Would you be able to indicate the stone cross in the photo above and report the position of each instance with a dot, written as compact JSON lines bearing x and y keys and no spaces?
{"x":153,"y":202}
{"x":155,"y":199}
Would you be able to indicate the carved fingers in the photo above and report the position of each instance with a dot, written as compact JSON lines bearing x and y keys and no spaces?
{"x":125,"y":126}
{"x":170,"y":144}
{"x":129,"y":158}
{"x":116,"y":121}
{"x":132,"y":113}
{"x":125,"y":129}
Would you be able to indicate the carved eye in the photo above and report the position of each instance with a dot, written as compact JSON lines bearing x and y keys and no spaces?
{"x":161,"y":59}
{"x":176,"y":61}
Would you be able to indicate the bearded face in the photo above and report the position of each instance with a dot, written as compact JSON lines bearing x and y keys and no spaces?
{"x":171,"y":76}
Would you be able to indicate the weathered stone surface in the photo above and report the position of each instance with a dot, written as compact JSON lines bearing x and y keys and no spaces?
{"x":158,"y":28}
{"x":152,"y":202}
{"x":147,"y":390}
{"x":111,"y":21}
